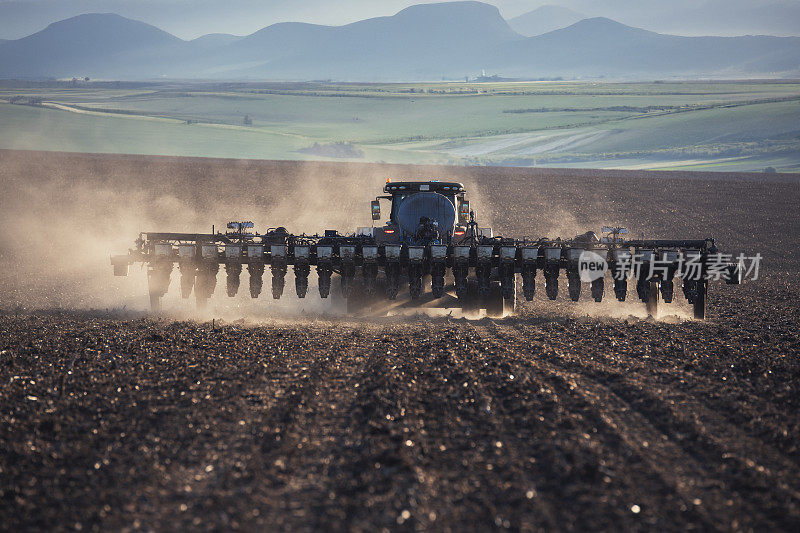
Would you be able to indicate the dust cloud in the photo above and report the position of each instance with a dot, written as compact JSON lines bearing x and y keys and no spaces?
{"x":64,"y":215}
{"x":633,"y":309}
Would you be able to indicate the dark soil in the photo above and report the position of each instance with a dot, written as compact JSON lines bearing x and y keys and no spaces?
{"x":548,"y":420}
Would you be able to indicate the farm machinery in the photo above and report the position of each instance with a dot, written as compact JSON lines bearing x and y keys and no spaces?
{"x":430,"y":240}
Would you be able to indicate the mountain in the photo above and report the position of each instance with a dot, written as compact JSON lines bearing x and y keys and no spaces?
{"x":419,"y":42}
{"x":603,"y":47}
{"x":424,"y":42}
{"x":544,"y":19}
{"x":87,"y":44}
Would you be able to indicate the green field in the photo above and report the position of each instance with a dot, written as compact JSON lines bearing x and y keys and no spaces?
{"x":688,"y":125}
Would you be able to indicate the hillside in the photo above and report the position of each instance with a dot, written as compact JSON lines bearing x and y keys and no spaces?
{"x":423,"y":42}
{"x":419,"y":42}
{"x":91,"y":44}
{"x":603,"y":47}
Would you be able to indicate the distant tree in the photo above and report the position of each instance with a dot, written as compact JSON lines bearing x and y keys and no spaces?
{"x":770,"y":170}
{"x":86,"y":78}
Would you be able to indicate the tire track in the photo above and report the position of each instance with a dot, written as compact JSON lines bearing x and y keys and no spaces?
{"x":507,"y":442}
{"x":703,"y":424}
{"x":682,"y":474}
{"x":589,"y":424}
{"x":650,"y":432}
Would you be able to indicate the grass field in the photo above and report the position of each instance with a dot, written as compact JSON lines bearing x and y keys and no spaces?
{"x":725,"y":125}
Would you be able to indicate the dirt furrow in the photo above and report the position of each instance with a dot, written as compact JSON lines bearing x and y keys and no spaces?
{"x":615,"y":458}
{"x":678,"y":437}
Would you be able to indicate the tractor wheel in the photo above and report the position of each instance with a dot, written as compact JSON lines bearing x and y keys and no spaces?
{"x":700,"y":300}
{"x":653,"y":296}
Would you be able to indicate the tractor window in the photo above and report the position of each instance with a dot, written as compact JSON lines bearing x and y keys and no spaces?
{"x":397,"y":199}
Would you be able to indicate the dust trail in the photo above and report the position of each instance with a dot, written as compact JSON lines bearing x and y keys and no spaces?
{"x":633,"y":308}
{"x":62,"y":223}
{"x":64,"y":215}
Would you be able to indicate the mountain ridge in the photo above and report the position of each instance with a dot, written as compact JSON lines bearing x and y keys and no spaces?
{"x":449,"y":40}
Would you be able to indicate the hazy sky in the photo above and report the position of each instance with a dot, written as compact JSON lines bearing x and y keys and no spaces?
{"x":192,"y":18}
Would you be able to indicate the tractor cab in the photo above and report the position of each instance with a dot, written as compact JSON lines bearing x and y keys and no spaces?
{"x":423,"y":212}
